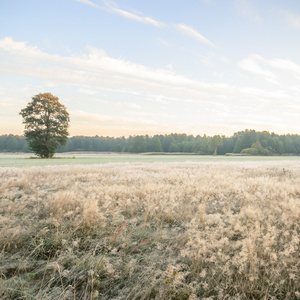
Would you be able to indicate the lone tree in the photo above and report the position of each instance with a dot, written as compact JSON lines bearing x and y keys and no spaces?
{"x":46,"y":124}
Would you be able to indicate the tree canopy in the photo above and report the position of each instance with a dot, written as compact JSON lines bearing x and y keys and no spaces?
{"x":46,"y":124}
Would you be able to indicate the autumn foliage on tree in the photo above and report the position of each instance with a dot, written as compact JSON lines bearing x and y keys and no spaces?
{"x":46,"y":124}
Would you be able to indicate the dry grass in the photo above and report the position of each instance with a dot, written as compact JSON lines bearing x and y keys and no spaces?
{"x":151,"y":231}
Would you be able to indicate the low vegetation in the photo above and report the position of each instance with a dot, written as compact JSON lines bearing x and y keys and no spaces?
{"x":151,"y":231}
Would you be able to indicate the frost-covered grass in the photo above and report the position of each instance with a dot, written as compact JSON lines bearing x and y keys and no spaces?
{"x":151,"y":231}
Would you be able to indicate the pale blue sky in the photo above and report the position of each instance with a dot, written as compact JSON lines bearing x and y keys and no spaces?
{"x":147,"y":66}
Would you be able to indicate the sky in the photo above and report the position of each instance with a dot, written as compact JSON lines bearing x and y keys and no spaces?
{"x":131,"y":67}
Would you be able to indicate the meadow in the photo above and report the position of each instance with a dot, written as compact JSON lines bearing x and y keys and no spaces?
{"x":213,"y":228}
{"x":86,"y":158}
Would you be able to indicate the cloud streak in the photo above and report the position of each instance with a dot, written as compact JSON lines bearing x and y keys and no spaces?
{"x":268,"y":68}
{"x":96,"y":71}
{"x":252,"y":64}
{"x":183,"y":28}
{"x":191,"y":32}
{"x":113,"y":8}
{"x":88,"y":2}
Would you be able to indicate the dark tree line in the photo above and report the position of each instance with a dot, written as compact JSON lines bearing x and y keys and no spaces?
{"x":13,"y":143}
{"x":249,"y":142}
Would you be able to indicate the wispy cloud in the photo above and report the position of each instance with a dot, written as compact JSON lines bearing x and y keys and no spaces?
{"x":253,"y":64}
{"x":96,"y":71}
{"x":190,"y":31}
{"x":88,"y":2}
{"x":285,"y":64}
{"x":270,"y":69}
{"x":246,"y":9}
{"x":112,"y":7}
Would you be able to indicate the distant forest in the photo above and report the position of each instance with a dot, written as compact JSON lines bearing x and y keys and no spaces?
{"x":248,"y":142}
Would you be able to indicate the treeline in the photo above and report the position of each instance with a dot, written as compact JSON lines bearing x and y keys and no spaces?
{"x":246,"y":142}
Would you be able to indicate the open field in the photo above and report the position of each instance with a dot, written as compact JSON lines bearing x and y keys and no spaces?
{"x":182,"y":230}
{"x":74,"y":158}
